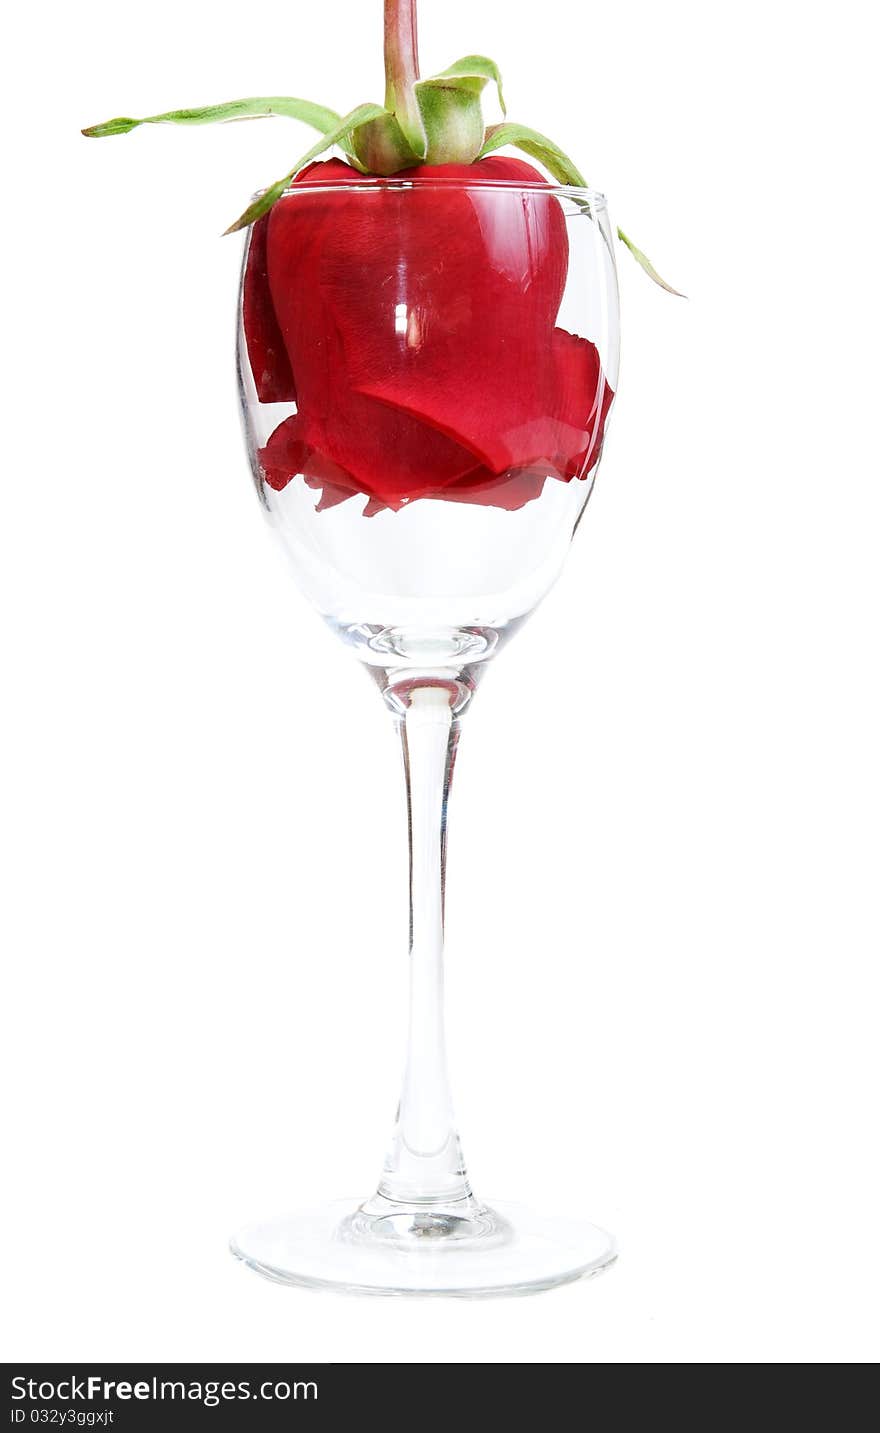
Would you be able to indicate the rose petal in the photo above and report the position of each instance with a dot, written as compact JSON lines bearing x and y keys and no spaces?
{"x":270,"y":364}
{"x":550,"y":414}
{"x":421,"y":328}
{"x":510,"y":491}
{"x":413,"y":289}
{"x":368,"y":447}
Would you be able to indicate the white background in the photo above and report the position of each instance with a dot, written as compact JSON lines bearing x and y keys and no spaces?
{"x":662,"y":891}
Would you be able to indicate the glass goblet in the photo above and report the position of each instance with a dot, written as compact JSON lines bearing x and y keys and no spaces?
{"x":426,"y":367}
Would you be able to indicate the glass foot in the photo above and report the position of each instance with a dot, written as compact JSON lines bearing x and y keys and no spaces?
{"x":478,"y":1253}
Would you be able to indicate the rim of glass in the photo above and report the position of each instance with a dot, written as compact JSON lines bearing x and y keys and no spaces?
{"x":370,"y":184}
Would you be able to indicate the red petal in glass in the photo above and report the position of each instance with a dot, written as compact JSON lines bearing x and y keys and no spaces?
{"x":367,"y":448}
{"x":421,"y":328}
{"x":267,"y":354}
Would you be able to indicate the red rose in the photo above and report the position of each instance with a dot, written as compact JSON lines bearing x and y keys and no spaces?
{"x":444,"y":378}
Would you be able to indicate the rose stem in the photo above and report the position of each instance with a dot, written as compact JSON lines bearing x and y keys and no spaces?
{"x":401,"y":52}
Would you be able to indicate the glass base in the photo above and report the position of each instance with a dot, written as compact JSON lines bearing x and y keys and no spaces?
{"x":477,"y":1254}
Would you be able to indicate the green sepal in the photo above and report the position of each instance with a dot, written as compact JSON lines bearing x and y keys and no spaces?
{"x":454,"y":128}
{"x":537,"y":146}
{"x":380,"y":146}
{"x":472,"y":74}
{"x":340,"y":135}
{"x":451,"y":109}
{"x":646,"y":264}
{"x":316,"y":115}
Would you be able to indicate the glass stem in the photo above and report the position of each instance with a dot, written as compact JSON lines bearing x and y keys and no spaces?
{"x":425,"y":1165}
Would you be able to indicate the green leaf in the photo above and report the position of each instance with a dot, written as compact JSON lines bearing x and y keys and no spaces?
{"x":340,"y":135}
{"x":646,"y":264}
{"x":539,"y":147}
{"x":472,"y":73}
{"x":318,"y":116}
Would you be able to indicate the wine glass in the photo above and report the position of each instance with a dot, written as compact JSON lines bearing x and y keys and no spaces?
{"x":426,"y":366}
